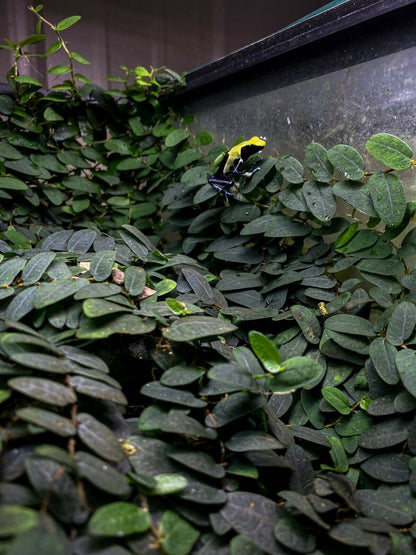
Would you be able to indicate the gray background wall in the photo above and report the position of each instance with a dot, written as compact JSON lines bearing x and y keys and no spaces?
{"x":340,"y":88}
{"x":179,"y":34}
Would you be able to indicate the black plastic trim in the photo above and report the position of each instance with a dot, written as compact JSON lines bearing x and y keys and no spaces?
{"x":316,"y":27}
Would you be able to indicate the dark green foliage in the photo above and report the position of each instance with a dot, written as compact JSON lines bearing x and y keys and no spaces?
{"x":179,"y":374}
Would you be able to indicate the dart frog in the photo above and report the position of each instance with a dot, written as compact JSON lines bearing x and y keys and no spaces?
{"x":229,"y":166}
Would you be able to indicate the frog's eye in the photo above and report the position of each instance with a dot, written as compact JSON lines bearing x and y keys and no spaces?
{"x":263,"y":138}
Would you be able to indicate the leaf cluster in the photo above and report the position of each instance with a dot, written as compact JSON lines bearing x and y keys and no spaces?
{"x":180,"y":374}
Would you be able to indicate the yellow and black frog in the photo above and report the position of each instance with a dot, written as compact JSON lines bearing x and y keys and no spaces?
{"x":223,"y":179}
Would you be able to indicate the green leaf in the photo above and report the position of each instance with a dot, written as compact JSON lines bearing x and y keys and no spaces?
{"x":266,"y":351}
{"x":176,"y":137}
{"x":291,"y":169}
{"x":357,"y":194}
{"x":17,"y":238}
{"x":94,"y":308}
{"x":293,"y":198}
{"x":203,"y":494}
{"x":336,"y":399}
{"x":143,"y":209}
{"x":55,"y":291}
{"x":389,"y":199}
{"x":97,"y":389}
{"x":136,"y":246}
{"x":99,"y":438}
{"x":165,"y":286}
{"x":251,"y":440}
{"x":293,"y":535}
{"x":9,"y":270}
{"x":283,"y":226}
{"x":167,"y":484}
{"x":181,"y":375}
{"x":383,"y":356}
{"x":59,"y":70}
{"x":386,"y":504}
{"x":251,"y":514}
{"x":4,"y":395}
{"x":354,"y":425}
{"x":389,"y":267}
{"x":296,"y":372}
{"x":54,"y":47}
{"x":238,"y":280}
{"x":233,"y":407}
{"x":390,"y":150}
{"x":319,"y":199}
{"x":349,"y":534}
{"x":257,"y":180}
{"x":176,"y":396}
{"x":347,"y":235}
{"x":199,"y":284}
{"x":178,"y":536}
{"x":102,"y":475}
{"x":242,"y":544}
{"x":119,"y":519}
{"x":101,"y":264}
{"x":32,"y":39}
{"x":186,"y":157}
{"x":134,"y":280}
{"x":405,"y":362}
{"x":17,"y":342}
{"x":308,"y":323}
{"x":388,"y":433}
{"x":13,"y":184}
{"x":349,"y":323}
{"x":8,"y":151}
{"x":338,"y":455}
{"x":84,"y":358}
{"x":80,"y":183}
{"x":17,"y":494}
{"x":77,"y":57}
{"x":203,"y":138}
{"x":67,"y":22}
{"x":351,"y":342}
{"x":27,"y":80}
{"x":128,"y":164}
{"x":48,"y":477}
{"x":72,"y":158}
{"x":81,"y":240}
{"x":80,"y":205}
{"x":6,"y":104}
{"x":36,"y":267}
{"x":401,"y":324}
{"x":57,"y":454}
{"x":301,"y":503}
{"x":316,"y":158}
{"x":48,"y":420}
{"x":42,"y":362}
{"x":96,"y":290}
{"x":189,"y":328}
{"x":387,"y":467}
{"x":15,"y":519}
{"x":44,"y":390}
{"x":197,"y":461}
{"x":100,"y":328}
{"x":347,"y":160}
{"x":233,"y":375}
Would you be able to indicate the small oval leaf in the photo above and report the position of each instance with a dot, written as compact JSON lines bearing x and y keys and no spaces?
{"x":119,"y":519}
{"x":390,"y":150}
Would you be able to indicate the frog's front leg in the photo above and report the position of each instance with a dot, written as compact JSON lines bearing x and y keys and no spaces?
{"x":247,"y":173}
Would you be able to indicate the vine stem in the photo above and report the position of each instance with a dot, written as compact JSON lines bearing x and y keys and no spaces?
{"x":63,"y":44}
